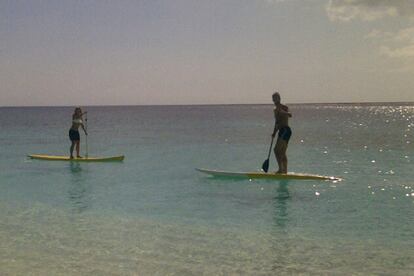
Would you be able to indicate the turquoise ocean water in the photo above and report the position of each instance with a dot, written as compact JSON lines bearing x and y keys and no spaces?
{"x":153,"y":214}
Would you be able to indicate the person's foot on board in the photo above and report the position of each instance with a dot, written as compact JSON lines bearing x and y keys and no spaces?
{"x":280,"y":172}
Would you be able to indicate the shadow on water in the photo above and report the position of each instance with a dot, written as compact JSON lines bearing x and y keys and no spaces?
{"x":79,"y":192}
{"x":281,"y":216}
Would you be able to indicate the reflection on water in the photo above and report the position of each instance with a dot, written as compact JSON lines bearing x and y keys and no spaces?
{"x":79,"y":191}
{"x":280,"y":204}
{"x":280,"y":234}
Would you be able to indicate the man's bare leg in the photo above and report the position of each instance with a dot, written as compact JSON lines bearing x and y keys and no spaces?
{"x":280,"y":152}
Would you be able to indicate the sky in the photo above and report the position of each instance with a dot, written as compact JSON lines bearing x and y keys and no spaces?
{"x":167,"y":52}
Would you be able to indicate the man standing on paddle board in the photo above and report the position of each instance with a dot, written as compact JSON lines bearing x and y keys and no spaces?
{"x":281,"y":124}
{"x":74,"y":136}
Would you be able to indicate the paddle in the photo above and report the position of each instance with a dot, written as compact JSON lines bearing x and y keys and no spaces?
{"x":265,"y":166}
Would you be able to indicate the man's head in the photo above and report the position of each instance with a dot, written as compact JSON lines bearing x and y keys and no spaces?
{"x":276,"y":97}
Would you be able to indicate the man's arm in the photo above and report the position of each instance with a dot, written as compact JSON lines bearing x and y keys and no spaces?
{"x":83,"y":127}
{"x":284,"y":110}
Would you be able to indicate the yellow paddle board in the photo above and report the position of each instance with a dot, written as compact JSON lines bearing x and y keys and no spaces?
{"x":276,"y":176}
{"x":83,"y":159}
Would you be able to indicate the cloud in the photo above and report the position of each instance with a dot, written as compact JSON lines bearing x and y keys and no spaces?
{"x":406,"y":34}
{"x":399,"y":44}
{"x":395,"y":45}
{"x":368,"y":10}
{"x":378,"y":34}
{"x":404,"y":52}
{"x":404,"y":37}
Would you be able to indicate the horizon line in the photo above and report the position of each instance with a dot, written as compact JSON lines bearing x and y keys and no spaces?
{"x":217,"y":104}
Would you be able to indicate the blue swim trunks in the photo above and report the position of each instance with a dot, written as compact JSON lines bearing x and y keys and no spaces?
{"x":285,"y":133}
{"x":74,"y":135}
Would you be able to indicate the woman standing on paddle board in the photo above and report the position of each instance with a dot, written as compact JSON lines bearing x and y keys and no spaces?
{"x":282,"y":115}
{"x":74,"y":136}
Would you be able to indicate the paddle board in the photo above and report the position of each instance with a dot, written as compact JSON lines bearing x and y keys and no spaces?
{"x":279,"y":176}
{"x":83,"y":159}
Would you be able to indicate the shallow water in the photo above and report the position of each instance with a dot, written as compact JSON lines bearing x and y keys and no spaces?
{"x":153,"y":214}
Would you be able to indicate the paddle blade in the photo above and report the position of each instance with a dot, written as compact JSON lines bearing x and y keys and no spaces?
{"x":265,"y":166}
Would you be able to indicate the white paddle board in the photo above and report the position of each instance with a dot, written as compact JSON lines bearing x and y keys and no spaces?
{"x":277,"y":176}
{"x":82,"y":159}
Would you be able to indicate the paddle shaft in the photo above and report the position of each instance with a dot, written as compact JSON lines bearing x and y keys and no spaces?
{"x":270,"y":149}
{"x":265,"y":166}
